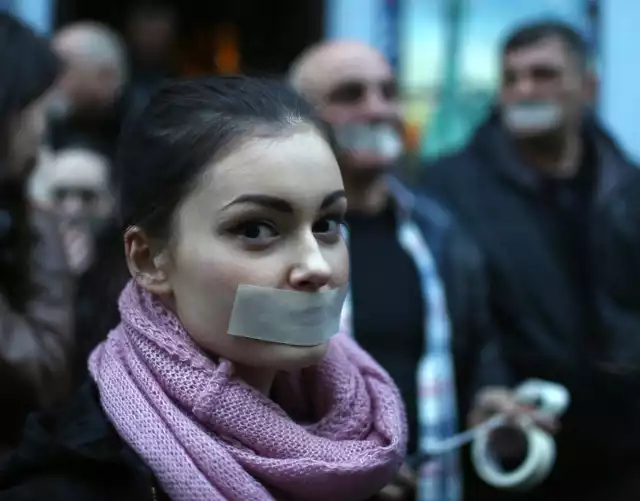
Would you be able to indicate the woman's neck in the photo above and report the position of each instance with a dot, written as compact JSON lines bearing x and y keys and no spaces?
{"x":260,"y":379}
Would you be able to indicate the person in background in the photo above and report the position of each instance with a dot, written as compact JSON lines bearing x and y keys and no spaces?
{"x":87,"y":107}
{"x":182,"y":404}
{"x":151,"y":31}
{"x":87,"y":111}
{"x":79,"y":193}
{"x":529,"y":188}
{"x":36,"y":337}
{"x":414,"y":275}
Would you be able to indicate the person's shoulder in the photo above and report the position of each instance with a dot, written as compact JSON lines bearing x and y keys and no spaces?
{"x":454,"y":250}
{"x":451,"y":164}
{"x":620,"y":208}
{"x":618,"y":222}
{"x":448,"y":178}
{"x":443,"y":169}
{"x":423,"y":208}
{"x":67,"y":429}
{"x":428,"y":210}
{"x":61,"y":450}
{"x":437,"y":223}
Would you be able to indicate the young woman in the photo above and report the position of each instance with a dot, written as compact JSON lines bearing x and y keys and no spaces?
{"x":231,"y":201}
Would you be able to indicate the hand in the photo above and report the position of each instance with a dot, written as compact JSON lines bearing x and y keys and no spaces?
{"x":508,"y":441}
{"x":497,"y":400}
{"x":402,"y":488}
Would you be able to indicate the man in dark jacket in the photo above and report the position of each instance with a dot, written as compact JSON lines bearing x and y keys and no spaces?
{"x":528,"y":188}
{"x":354,"y":88}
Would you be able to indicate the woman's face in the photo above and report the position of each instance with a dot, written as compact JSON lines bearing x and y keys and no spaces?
{"x":268,"y":214}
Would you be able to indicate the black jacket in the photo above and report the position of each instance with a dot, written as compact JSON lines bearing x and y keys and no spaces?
{"x":548,"y":330}
{"x":75,"y":454}
{"x":618,"y":246}
{"x":476,"y":345}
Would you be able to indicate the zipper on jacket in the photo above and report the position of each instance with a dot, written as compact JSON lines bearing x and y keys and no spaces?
{"x":154,"y":494}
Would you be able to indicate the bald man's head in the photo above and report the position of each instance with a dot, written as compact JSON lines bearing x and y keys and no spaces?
{"x":354,"y":89}
{"x":95,"y":61}
{"x":318,"y":68}
{"x":91,"y":43}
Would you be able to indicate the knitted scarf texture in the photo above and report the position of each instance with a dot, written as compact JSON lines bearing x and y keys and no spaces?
{"x":334,"y":431}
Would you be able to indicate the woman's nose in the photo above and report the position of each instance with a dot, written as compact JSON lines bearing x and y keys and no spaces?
{"x":311,"y":271}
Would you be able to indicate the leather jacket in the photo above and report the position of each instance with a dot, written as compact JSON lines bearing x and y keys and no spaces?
{"x":36,"y":345}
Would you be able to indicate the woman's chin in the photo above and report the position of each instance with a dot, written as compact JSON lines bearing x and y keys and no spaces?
{"x":284,"y":357}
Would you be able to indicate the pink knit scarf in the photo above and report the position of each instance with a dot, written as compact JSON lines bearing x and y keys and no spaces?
{"x":334,"y":431}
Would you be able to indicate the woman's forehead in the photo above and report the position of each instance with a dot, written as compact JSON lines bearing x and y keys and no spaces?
{"x":299,"y":166}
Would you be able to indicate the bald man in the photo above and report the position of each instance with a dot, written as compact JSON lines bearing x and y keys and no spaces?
{"x":356,"y":92}
{"x":405,"y":252}
{"x":85,"y":107}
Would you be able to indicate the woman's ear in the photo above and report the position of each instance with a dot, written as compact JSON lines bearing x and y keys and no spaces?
{"x":147,"y":267}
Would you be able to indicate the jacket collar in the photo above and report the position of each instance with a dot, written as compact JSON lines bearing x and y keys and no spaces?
{"x":492,"y":142}
{"x":403,"y":199}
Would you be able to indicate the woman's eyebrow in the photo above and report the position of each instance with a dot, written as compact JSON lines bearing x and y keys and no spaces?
{"x":280,"y":204}
{"x":332,"y":198}
{"x":271,"y":202}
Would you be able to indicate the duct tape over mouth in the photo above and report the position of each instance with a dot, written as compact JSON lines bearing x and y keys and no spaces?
{"x":548,"y":399}
{"x":285,"y":316}
{"x":381,"y":140}
{"x":533,"y":116}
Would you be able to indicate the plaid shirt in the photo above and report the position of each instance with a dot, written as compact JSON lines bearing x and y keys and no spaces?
{"x":440,"y":477}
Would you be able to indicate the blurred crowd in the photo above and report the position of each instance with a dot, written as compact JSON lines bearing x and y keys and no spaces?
{"x":526,"y":256}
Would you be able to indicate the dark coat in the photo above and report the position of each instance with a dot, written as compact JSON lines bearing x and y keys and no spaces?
{"x":75,"y":454}
{"x":548,"y":323}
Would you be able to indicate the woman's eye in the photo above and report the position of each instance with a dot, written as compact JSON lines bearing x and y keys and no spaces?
{"x":328,"y":226}
{"x":255,"y":231}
